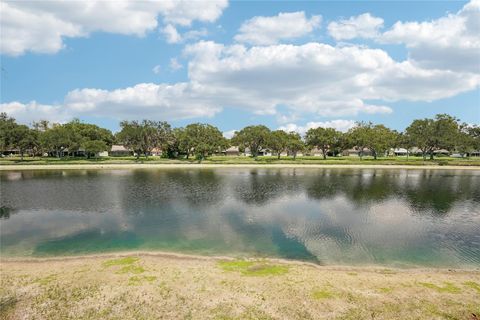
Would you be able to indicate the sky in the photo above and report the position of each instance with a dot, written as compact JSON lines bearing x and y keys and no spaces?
{"x":290,"y":65}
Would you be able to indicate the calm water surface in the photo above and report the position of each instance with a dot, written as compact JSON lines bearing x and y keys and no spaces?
{"x":329,"y":216}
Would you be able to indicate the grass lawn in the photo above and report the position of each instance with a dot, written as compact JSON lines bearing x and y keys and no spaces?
{"x":169,"y":287}
{"x":473,"y":161}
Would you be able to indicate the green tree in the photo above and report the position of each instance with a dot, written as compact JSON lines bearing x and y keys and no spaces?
{"x":381,"y":139}
{"x":376,"y":138}
{"x":56,"y":140}
{"x":323,"y":139}
{"x":358,"y":137}
{"x":253,"y":137}
{"x":79,"y":133}
{"x":204,"y":139}
{"x":7,"y":126}
{"x":183,"y":142}
{"x":474,"y":132}
{"x":405,"y":141}
{"x":294,"y":144}
{"x":41,"y":125}
{"x":93,"y":147}
{"x":432,"y":134}
{"x":143,"y":137}
{"x":467,"y":139}
{"x":277,"y":142}
{"x":23,"y":138}
{"x":130,"y":136}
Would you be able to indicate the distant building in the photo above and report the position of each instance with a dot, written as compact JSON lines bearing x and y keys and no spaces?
{"x":156,"y":152}
{"x":315,"y":152}
{"x":262,"y":152}
{"x":265,"y":152}
{"x":442,"y":152}
{"x":400,"y":152}
{"x":356,"y":152}
{"x":233,"y":151}
{"x":119,"y":150}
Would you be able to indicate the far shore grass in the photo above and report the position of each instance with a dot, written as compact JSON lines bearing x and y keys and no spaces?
{"x":10,"y":162}
{"x":170,"y":286}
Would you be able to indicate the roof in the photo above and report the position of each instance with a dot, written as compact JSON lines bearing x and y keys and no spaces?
{"x":233,"y":149}
{"x":118,"y":147}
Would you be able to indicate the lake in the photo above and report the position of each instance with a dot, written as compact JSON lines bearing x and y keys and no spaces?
{"x":391,"y":217}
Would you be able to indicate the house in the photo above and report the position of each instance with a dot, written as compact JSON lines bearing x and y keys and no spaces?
{"x":233,"y":151}
{"x":265,"y":152}
{"x":356,"y":152}
{"x":119,"y":150}
{"x":156,"y":152}
{"x":441,"y":152}
{"x":316,"y":152}
{"x":11,"y":152}
{"x":400,"y":152}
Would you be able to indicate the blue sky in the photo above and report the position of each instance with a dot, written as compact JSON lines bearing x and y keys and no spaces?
{"x":286,"y":64}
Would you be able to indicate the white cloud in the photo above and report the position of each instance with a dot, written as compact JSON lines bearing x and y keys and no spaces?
{"x":23,"y":30}
{"x":171,"y":34}
{"x":146,"y":100}
{"x":40,"y":26}
{"x":195,"y":34}
{"x":316,"y":78}
{"x":270,"y":30}
{"x":163,"y":101}
{"x":229,"y":134}
{"x":33,"y":111}
{"x":451,"y":42}
{"x":313,"y":79}
{"x":157,"y":69}
{"x":340,"y":125}
{"x":362,"y":26}
{"x":175,"y":65}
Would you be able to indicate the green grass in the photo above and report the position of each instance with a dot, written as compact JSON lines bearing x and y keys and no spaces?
{"x":322,"y":294}
{"x":253,"y":268}
{"x":385,"y":290}
{"x":447,"y":288}
{"x":473,"y":285}
{"x":46,"y":280}
{"x":128,"y":265}
{"x":474,"y":161}
{"x":131,"y":269}
{"x":120,"y":262}
{"x":136,"y":280}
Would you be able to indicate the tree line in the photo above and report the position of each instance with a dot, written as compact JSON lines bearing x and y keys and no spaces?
{"x":202,"y":140}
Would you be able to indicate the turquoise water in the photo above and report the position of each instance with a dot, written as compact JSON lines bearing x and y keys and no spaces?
{"x":329,"y":216}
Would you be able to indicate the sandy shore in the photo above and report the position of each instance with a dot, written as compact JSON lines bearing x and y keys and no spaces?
{"x":205,"y":166}
{"x":144,"y":285}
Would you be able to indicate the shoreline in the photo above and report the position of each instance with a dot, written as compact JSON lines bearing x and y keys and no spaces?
{"x":160,"y":285}
{"x":217,"y":258}
{"x":14,"y":167}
